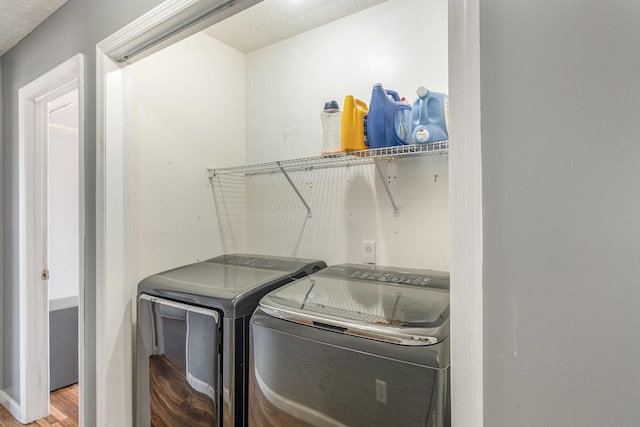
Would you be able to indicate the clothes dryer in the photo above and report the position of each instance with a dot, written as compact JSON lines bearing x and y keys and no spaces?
{"x":352,"y":345}
{"x":192,"y":337}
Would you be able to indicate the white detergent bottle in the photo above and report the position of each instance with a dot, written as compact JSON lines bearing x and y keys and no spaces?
{"x":331,"y":119}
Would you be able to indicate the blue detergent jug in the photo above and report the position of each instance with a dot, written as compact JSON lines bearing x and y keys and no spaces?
{"x":429,"y":117}
{"x":388,"y":121}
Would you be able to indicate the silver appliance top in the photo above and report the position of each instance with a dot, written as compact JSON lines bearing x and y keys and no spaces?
{"x":223,"y":280}
{"x":231,"y":283}
{"x":401,"y":306}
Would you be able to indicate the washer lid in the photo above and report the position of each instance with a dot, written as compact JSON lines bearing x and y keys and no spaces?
{"x":397,"y":306}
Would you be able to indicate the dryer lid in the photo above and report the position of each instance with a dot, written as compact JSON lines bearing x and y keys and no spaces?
{"x":231,"y":283}
{"x":397,"y":306}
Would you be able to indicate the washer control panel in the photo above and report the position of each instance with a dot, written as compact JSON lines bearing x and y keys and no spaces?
{"x":382,"y":274}
{"x":392,"y":277}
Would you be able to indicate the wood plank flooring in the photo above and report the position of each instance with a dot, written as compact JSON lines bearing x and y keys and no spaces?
{"x":173,"y":401}
{"x":64,"y":411}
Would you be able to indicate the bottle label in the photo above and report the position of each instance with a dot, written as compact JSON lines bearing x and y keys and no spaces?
{"x":401,"y":124}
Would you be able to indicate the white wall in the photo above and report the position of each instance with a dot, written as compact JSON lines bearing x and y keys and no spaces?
{"x":186,"y":113}
{"x":350,"y":205}
{"x":189,"y":113}
{"x":64,"y":187}
{"x":200,"y":104}
{"x":400,"y":43}
{"x":189,"y":105}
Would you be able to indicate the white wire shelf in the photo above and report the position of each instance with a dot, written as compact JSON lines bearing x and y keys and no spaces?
{"x":372,"y":156}
{"x":335,"y":160}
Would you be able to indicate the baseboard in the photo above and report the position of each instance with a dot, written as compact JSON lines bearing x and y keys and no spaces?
{"x":11,"y":405}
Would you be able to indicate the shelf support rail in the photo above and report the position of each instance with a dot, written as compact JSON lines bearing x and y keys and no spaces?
{"x":286,"y":175}
{"x":396,"y":211}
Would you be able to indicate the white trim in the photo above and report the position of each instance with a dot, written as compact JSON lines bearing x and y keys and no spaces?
{"x":33,"y":294}
{"x":11,"y":405}
{"x":112,"y":246}
{"x":466,"y":214}
{"x":144,"y":24}
{"x":100,"y":239}
{"x":110,"y":236}
{"x":167,"y":23}
{"x":1,"y":240}
{"x":82,"y":415}
{"x":110,"y":264}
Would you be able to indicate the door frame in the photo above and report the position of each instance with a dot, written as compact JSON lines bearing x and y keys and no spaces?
{"x":465,"y":191}
{"x":465,"y":204}
{"x":115,"y":290}
{"x":32,"y":206}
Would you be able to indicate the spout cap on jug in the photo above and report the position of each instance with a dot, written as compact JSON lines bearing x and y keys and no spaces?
{"x":422,"y":135}
{"x":422,"y":91}
{"x":331,"y":107}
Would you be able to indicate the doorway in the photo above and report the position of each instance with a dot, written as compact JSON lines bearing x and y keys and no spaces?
{"x":465,"y":194}
{"x":63,"y":208}
{"x":51,"y":235}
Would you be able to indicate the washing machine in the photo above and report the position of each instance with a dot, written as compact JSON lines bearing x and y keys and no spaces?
{"x":352,"y":345}
{"x":192,"y":337}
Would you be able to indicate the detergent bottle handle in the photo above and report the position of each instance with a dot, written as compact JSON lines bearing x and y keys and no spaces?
{"x":393,"y":94}
{"x":419,"y":104}
{"x":405,"y":126}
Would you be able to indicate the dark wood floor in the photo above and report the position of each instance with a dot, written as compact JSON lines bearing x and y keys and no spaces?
{"x":64,"y":411}
{"x":173,"y":401}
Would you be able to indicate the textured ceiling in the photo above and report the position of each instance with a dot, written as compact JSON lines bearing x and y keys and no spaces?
{"x":19,"y":17}
{"x":274,"y":20}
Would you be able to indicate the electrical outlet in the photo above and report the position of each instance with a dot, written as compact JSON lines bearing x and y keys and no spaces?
{"x":381,"y":391}
{"x":368,"y":251}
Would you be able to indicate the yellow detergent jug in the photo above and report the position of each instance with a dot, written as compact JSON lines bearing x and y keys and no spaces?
{"x":352,"y":130}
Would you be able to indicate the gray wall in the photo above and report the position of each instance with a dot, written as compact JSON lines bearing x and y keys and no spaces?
{"x":561,"y":189}
{"x":75,"y":27}
{"x":560,"y":126}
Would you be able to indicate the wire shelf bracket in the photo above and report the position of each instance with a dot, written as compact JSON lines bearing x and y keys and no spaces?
{"x":396,"y":211}
{"x":293,"y":185}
